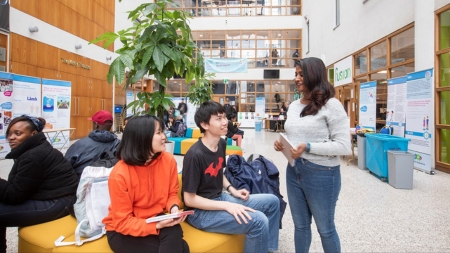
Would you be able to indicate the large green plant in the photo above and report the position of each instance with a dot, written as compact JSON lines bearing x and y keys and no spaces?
{"x":159,"y":43}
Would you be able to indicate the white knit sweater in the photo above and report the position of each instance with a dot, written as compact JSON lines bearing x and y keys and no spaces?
{"x":328,"y":132}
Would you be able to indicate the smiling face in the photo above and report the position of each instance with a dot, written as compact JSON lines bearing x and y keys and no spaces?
{"x":218,"y":125}
{"x":18,"y":133}
{"x":299,"y":80}
{"x":159,"y":139}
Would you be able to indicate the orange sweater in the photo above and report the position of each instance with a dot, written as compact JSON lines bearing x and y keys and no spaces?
{"x":141,"y":192}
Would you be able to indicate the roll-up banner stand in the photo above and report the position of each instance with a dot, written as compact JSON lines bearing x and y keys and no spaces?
{"x":420,"y":117}
{"x":368,"y":105}
{"x":396,"y":105}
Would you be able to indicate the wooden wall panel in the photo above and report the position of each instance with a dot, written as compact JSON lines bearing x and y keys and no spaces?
{"x":23,"y":69}
{"x":29,"y":6}
{"x":23,"y":50}
{"x":49,"y":12}
{"x":4,"y":44}
{"x":48,"y":56}
{"x":64,"y":67}
{"x":69,"y":21}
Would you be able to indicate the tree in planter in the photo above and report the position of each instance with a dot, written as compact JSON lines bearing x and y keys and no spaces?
{"x":159,"y":43}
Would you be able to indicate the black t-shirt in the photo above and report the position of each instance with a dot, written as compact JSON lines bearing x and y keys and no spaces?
{"x":203,"y":170}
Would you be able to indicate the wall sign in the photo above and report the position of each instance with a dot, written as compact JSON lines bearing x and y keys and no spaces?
{"x":343,"y":72}
{"x":76,"y":64}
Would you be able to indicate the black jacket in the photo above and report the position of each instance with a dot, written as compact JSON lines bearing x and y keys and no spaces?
{"x":259,"y":176}
{"x":40,"y":172}
{"x":88,"y":150}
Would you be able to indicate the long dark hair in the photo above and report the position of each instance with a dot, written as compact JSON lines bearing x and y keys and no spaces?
{"x":136,"y":144}
{"x":315,"y":80}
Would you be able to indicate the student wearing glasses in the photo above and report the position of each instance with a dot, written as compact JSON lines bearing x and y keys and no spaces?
{"x":318,"y":127}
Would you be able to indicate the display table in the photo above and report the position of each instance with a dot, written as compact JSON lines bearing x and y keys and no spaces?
{"x":58,"y":137}
{"x":274,"y":125}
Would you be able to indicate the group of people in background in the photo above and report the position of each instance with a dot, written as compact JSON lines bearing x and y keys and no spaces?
{"x":144,"y":183}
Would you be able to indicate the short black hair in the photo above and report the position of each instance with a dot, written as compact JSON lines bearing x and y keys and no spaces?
{"x":206,"y":110}
{"x":135,"y":147}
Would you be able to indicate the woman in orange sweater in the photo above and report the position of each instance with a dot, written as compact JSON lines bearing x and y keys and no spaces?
{"x":144,"y":184}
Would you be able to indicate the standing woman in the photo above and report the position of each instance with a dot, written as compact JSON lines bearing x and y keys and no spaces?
{"x":42,"y":184}
{"x":144,"y":184}
{"x":318,"y":127}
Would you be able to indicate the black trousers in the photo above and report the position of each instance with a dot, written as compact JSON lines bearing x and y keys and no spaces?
{"x":170,"y":239}
{"x":32,"y":212}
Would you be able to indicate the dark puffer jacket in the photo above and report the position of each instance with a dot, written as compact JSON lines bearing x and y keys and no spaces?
{"x":40,"y":172}
{"x":88,"y":150}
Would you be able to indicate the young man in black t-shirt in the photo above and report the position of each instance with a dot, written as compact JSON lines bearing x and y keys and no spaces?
{"x":231,"y":212}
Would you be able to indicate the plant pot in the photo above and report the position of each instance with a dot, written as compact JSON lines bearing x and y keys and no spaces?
{"x":170,"y":146}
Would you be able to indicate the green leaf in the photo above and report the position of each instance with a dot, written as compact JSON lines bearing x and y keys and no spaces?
{"x":158,"y":58}
{"x":117,"y":69}
{"x":147,"y":55}
{"x":127,"y":60}
{"x":139,"y":74}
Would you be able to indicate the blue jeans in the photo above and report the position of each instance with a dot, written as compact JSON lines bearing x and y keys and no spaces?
{"x":32,"y":212}
{"x":261,"y":232}
{"x":313,"y":190}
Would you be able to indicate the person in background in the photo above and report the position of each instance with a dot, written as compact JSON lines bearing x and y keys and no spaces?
{"x":170,"y":122}
{"x":233,"y":130}
{"x":41,"y":185}
{"x":183,"y":109}
{"x":317,"y":125}
{"x":125,"y":121}
{"x":88,"y":150}
{"x":174,"y":128}
{"x":236,"y":212}
{"x":144,"y":184}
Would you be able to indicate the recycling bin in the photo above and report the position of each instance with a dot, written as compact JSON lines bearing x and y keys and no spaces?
{"x":400,"y":169}
{"x":361,"y":142}
{"x":258,"y":125}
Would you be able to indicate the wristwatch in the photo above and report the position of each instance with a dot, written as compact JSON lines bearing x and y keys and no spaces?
{"x":308,"y":147}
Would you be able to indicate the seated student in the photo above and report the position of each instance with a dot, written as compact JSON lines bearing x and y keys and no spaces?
{"x":144,"y":184}
{"x":174,"y":128}
{"x":282,"y":114}
{"x":88,"y":150}
{"x":42,"y":184}
{"x":233,"y":130}
{"x":170,"y":122}
{"x":236,"y":212}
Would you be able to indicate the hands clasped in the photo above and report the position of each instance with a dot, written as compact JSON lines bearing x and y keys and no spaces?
{"x":295,"y":153}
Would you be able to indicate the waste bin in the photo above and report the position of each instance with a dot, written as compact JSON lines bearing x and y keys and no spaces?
{"x":361,"y":142}
{"x":258,"y":125}
{"x":377,"y":146}
{"x":400,"y":169}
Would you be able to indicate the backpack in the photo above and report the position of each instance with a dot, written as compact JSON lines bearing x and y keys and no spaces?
{"x":92,"y":200}
{"x":181,"y":130}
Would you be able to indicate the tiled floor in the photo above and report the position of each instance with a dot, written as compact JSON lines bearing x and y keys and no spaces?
{"x":371,"y":215}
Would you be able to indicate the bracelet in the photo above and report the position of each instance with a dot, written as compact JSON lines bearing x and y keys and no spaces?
{"x":308,"y":147}
{"x":228,"y":187}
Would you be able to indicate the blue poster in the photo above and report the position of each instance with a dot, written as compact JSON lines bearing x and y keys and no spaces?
{"x":368,"y":105}
{"x":129,"y":98}
{"x":396,"y":105}
{"x":226,"y":65}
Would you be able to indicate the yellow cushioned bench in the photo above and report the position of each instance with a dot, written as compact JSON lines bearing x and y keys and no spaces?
{"x":41,"y":237}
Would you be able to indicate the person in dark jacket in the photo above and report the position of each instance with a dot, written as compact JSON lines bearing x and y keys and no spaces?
{"x":87,"y":150}
{"x":42,"y":184}
{"x":233,"y":130}
{"x":174,"y":128}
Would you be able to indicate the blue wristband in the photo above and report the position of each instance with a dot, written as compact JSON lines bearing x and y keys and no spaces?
{"x":308,"y":147}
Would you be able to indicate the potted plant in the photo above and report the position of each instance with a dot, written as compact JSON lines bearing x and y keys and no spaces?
{"x":158,"y":43}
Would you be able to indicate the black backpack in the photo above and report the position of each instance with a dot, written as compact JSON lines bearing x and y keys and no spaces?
{"x":107,"y":159}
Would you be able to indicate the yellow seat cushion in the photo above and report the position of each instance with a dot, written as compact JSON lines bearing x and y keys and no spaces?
{"x":41,"y":237}
{"x":196,"y":133}
{"x":233,"y":150}
{"x":186,"y":145}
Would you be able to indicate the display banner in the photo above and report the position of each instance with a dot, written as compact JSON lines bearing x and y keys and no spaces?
{"x":343,"y":72}
{"x":27,"y":96}
{"x":368,"y":105}
{"x":260,"y":107}
{"x":191,"y":109}
{"x":56,"y":109}
{"x":4,"y":15}
{"x":396,"y":105}
{"x":6,"y":106}
{"x":226,"y":65}
{"x":246,"y":119}
{"x":419,"y":110}
{"x":129,"y":99}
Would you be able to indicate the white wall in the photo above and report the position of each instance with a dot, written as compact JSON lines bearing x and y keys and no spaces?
{"x":360,"y":25}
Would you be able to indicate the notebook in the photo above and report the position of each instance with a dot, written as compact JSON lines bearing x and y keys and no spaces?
{"x":287,"y":148}
{"x":169,"y":216}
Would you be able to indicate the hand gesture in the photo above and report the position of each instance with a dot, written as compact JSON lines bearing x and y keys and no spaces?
{"x":170,"y":222}
{"x":242,"y":194}
{"x":278,"y":146}
{"x":239,"y":212}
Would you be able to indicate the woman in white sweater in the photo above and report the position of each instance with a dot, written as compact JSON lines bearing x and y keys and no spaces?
{"x":318,"y":127}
